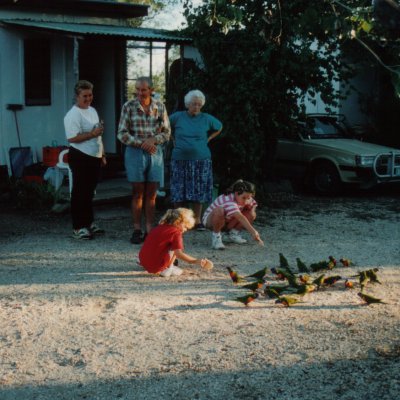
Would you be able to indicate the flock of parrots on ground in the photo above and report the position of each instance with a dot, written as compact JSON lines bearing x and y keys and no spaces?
{"x":288,"y":288}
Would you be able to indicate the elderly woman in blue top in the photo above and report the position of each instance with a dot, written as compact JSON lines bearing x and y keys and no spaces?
{"x":191,"y":166}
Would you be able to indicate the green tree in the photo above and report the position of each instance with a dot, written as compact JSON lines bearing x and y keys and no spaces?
{"x":262,"y":60}
{"x":155,"y":7}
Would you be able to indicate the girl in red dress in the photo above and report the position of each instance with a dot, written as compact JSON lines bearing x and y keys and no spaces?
{"x":164,"y":244}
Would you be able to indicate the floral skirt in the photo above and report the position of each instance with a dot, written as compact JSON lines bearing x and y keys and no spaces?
{"x":191,"y":180}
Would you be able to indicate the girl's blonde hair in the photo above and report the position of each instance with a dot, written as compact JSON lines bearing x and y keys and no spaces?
{"x":178,"y":216}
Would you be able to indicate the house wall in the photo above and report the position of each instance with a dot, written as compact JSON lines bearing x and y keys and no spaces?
{"x":10,"y":89}
{"x":41,"y":126}
{"x":192,"y":53}
{"x":357,"y":106}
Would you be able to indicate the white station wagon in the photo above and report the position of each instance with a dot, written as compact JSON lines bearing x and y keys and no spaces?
{"x":325,"y":155}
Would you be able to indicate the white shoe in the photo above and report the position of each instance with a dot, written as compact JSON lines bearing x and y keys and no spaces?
{"x":235,"y":237}
{"x":176,"y":271}
{"x":216,"y":242}
{"x":171,"y":271}
{"x":96,"y":230}
{"x":82,"y":233}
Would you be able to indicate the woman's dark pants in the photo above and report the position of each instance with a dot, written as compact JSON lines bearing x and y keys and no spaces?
{"x":85,"y":173}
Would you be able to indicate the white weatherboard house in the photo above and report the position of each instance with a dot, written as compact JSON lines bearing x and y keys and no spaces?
{"x":45,"y":47}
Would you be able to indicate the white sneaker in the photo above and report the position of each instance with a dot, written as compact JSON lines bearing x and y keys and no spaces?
{"x":176,"y":271}
{"x":171,"y":271}
{"x":216,"y":242}
{"x":82,"y":233}
{"x":235,"y":237}
{"x":96,"y":230}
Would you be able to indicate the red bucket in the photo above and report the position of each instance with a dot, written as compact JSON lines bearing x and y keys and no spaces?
{"x":50,"y":155}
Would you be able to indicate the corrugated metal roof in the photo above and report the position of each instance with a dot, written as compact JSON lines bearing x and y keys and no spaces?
{"x":79,"y":7}
{"x":157,"y":35}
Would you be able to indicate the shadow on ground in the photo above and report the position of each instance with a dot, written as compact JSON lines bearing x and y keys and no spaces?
{"x":339,"y":379}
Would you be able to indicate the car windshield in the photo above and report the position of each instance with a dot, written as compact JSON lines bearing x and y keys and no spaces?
{"x":323,"y":128}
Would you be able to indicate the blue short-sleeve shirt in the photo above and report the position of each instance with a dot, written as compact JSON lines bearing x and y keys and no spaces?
{"x":191,"y":134}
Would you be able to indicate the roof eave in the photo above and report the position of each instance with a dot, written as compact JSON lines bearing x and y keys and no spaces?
{"x":83,"y":7}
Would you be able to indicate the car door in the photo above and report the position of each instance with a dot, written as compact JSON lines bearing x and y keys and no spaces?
{"x":289,"y":160}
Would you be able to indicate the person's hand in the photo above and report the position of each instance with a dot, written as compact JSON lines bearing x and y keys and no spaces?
{"x":257,"y":238}
{"x":206,"y":264}
{"x":149,"y":146}
{"x":103,"y":161}
{"x":97,"y":131}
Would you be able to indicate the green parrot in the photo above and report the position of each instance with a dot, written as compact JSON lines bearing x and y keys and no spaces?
{"x":319,"y":281}
{"x":373,"y":277}
{"x":305,"y":279}
{"x":282,"y":274}
{"x":304,"y":289}
{"x":369,"y":299}
{"x":259,"y":274}
{"x":346,"y":262}
{"x":271,"y":292}
{"x":234,"y":276}
{"x":364,"y":279}
{"x":275,"y":290}
{"x":253,"y":286}
{"x":332,"y":260}
{"x":248,"y":298}
{"x":319,"y":265}
{"x":331,"y":280}
{"x":283,"y":262}
{"x":301,"y":266}
{"x":287,"y":301}
{"x":348,"y":284}
{"x":293,"y":281}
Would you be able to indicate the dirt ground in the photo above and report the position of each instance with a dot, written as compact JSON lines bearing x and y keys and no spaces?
{"x":80,"y":320}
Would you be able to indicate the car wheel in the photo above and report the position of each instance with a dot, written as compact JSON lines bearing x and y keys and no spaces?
{"x":325,"y":178}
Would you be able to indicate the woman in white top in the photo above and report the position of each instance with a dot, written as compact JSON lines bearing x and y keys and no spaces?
{"x":85,"y":157}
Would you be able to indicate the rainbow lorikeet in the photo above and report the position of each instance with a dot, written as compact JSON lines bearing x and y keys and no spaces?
{"x":235,"y":276}
{"x":246,"y":300}
{"x":253,"y":286}
{"x":331,"y":280}
{"x":284,"y":264}
{"x":331,"y":265}
{"x":301,"y":266}
{"x":348,"y":284}
{"x":319,"y":265}
{"x":369,"y":299}
{"x":304,"y":289}
{"x":281,"y":275}
{"x":304,"y":279}
{"x":332,"y":260}
{"x":287,"y":301}
{"x":363,"y":279}
{"x":319,"y":281}
{"x":259,"y":274}
{"x":373,"y":277}
{"x":346,"y":262}
{"x":271,"y":292}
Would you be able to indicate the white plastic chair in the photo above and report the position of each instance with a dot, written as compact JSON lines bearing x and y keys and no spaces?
{"x":62,"y":168}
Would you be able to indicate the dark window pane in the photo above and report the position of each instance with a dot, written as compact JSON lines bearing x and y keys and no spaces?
{"x":37,"y":72}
